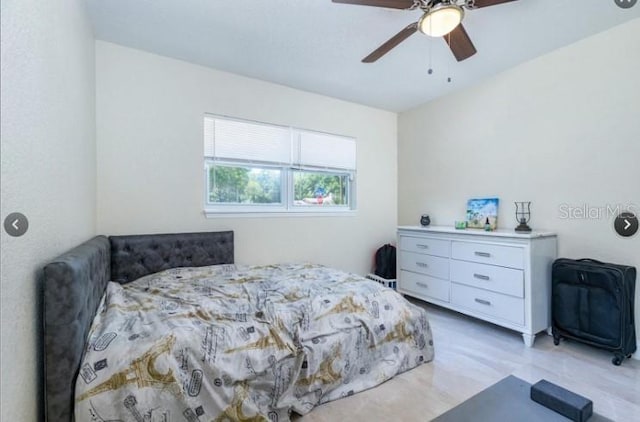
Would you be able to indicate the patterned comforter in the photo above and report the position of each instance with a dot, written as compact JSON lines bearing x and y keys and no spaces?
{"x":227,"y":343}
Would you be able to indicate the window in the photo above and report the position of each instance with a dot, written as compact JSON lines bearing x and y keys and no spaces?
{"x":244,"y":185}
{"x":258,"y":167}
{"x":316,"y":188}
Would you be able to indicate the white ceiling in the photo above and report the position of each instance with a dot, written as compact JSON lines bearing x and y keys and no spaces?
{"x":317,"y":45}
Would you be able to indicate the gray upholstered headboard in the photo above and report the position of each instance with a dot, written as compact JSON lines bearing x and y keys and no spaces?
{"x":135,"y":256}
{"x":74,"y":284}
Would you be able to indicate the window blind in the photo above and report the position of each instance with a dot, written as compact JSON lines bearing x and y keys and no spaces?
{"x":326,"y":151}
{"x":245,"y":141}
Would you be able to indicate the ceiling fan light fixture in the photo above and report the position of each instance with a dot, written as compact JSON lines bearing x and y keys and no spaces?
{"x":441,"y":19}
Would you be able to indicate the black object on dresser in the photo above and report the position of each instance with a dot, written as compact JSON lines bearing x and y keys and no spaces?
{"x":593,"y":302}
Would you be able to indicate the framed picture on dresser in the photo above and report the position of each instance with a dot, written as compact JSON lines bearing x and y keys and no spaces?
{"x":481,"y":212}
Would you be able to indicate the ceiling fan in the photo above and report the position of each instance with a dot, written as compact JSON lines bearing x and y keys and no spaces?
{"x":441,"y":18}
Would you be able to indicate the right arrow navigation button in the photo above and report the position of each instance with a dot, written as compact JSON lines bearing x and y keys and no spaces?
{"x":626,"y":224}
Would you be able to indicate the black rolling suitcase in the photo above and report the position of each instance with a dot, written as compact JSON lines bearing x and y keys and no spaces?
{"x":593,"y":302}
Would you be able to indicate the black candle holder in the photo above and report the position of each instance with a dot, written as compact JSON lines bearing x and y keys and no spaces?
{"x":523,"y":215}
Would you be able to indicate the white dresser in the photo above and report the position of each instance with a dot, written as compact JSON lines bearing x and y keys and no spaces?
{"x":502,"y":277}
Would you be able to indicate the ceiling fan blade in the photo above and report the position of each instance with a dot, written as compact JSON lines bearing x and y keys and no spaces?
{"x":460,"y":43}
{"x":392,"y":4}
{"x":393,"y":41}
{"x":486,"y":3}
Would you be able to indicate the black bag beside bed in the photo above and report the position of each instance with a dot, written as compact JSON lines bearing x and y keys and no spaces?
{"x":386,"y":262}
{"x":593,"y":302}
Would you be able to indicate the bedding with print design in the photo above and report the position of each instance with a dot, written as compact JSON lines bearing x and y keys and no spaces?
{"x":240,"y":343}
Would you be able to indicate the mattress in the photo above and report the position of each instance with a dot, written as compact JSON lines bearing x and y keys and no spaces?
{"x":248,"y":343}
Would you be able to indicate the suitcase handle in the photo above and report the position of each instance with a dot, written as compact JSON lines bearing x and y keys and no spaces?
{"x":590,"y":260}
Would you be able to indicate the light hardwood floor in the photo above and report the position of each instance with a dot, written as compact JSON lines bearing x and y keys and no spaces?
{"x":471,"y":355}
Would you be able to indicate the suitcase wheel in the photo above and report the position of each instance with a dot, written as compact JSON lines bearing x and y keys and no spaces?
{"x":556,"y":339}
{"x":617,"y":360}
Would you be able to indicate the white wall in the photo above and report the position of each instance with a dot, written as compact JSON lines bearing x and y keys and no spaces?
{"x":48,"y":173}
{"x":150,"y":158}
{"x":561,"y":129}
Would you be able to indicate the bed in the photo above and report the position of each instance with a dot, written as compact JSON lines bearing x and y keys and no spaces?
{"x":167,"y":327}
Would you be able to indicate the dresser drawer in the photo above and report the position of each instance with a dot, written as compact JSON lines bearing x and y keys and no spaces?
{"x":490,"y":277}
{"x":489,"y":303}
{"x":424,"y":245}
{"x":425,"y":264}
{"x":505,"y":256}
{"x":425,"y":286}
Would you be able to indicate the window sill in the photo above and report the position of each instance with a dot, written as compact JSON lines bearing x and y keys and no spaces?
{"x":279,"y":213}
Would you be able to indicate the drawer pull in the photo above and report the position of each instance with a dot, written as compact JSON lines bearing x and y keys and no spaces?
{"x":419,"y":246}
{"x":421,"y":264}
{"x":483,"y":302}
{"x":483,"y":254}
{"x":426,"y":286}
{"x":481,"y":277}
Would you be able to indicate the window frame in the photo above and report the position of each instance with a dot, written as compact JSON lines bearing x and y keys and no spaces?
{"x":287,"y":207}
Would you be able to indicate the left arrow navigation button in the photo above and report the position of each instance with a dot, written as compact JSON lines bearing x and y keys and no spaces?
{"x":16,"y":224}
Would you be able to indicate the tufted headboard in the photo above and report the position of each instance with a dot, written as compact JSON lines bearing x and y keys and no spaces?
{"x":135,"y":256}
{"x":75,"y":282}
